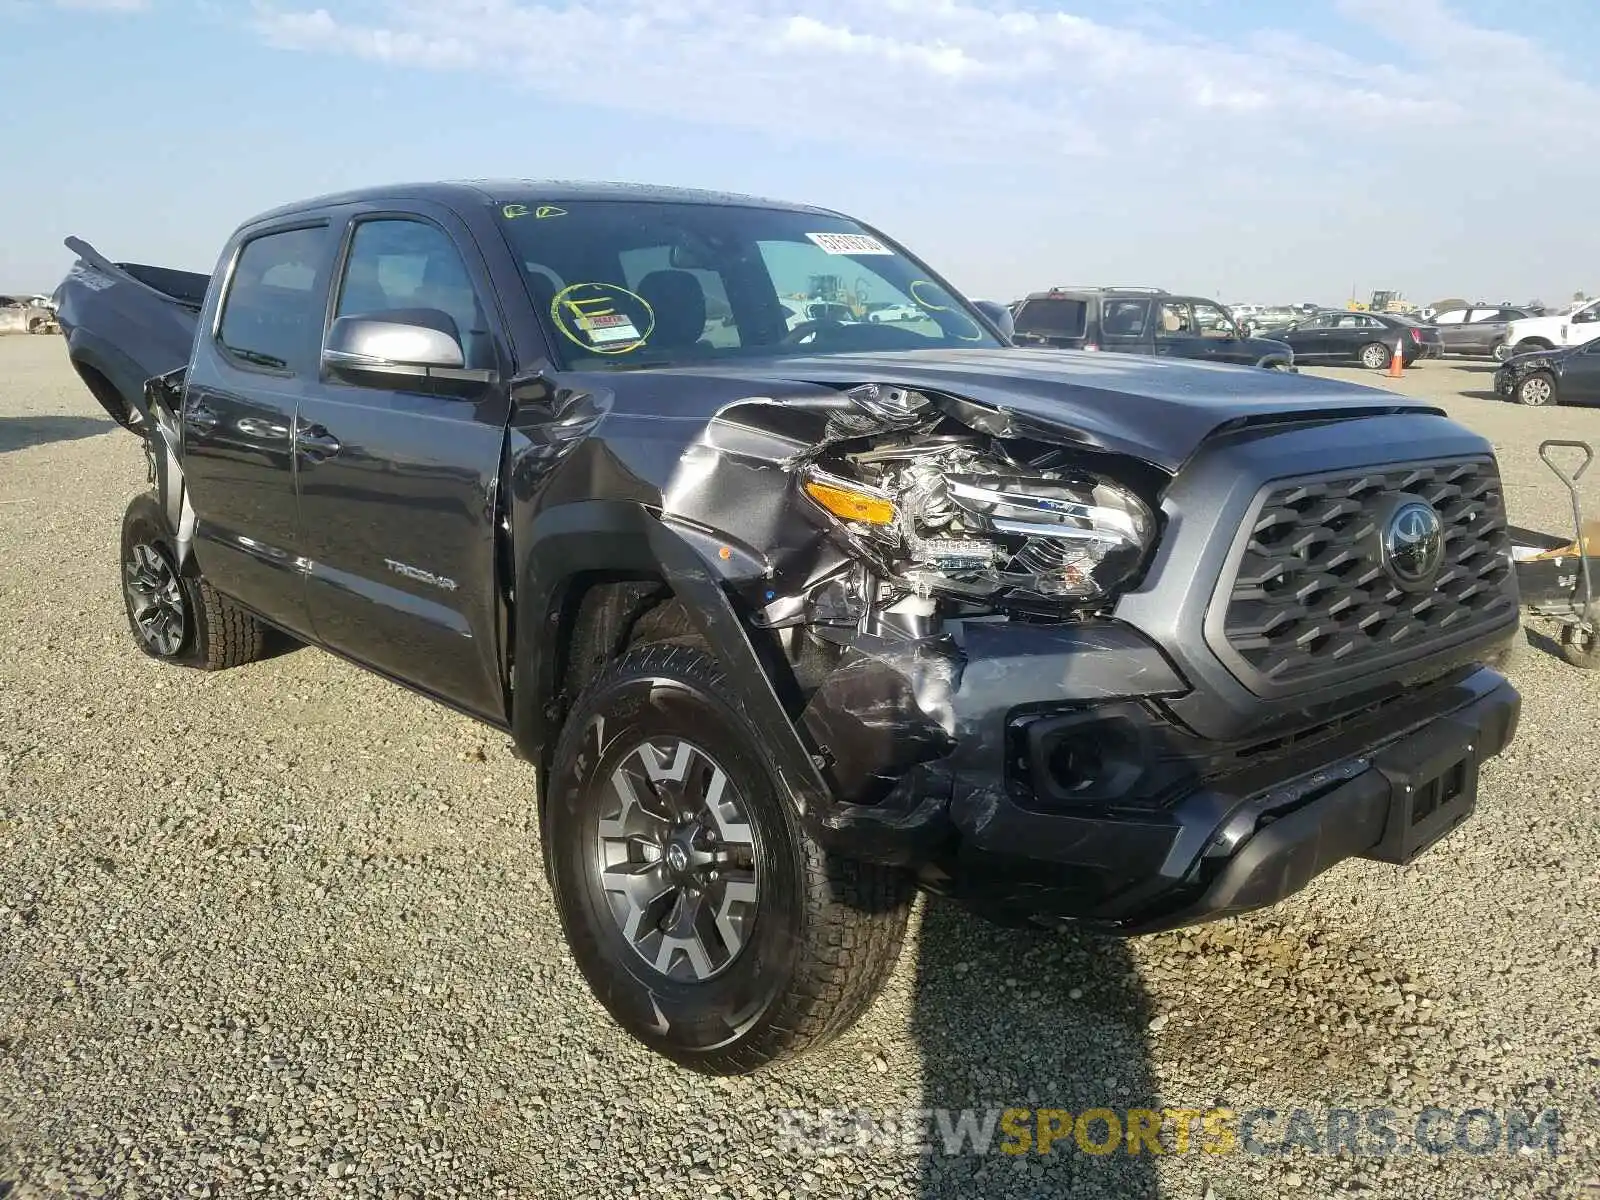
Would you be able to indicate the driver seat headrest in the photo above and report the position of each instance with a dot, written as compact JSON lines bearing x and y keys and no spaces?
{"x":679,"y":303}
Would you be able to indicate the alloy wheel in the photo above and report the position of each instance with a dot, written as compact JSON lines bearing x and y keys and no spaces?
{"x":1536,"y":390}
{"x":155,"y":598}
{"x":677,"y":856}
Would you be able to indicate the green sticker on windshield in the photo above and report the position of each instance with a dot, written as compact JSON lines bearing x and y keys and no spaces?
{"x":512,"y":211}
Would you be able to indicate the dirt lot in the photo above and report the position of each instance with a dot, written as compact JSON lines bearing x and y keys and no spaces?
{"x":284,"y":930}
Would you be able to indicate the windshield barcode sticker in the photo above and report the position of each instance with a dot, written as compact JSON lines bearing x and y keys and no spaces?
{"x":849,"y":243}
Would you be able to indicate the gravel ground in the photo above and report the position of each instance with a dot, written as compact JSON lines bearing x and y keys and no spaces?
{"x":283,"y":930}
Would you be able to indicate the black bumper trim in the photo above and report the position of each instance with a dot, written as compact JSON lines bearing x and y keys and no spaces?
{"x":1370,"y":816}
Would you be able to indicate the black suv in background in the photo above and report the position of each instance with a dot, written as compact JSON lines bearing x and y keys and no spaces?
{"x":1142,"y":320}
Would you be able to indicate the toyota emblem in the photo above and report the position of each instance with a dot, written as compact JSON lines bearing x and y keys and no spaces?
{"x":1413,"y":544}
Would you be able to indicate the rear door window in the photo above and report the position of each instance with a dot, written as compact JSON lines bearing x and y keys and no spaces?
{"x":1125,"y":318}
{"x":1054,"y":316}
{"x":272,"y":314}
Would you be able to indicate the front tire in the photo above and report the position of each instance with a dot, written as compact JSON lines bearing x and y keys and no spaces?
{"x":175,"y":615}
{"x":1536,"y":390}
{"x":705,"y":919}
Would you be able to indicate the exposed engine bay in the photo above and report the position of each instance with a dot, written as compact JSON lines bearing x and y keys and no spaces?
{"x":942,"y":509}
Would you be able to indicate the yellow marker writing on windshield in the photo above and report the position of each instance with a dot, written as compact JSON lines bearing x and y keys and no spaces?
{"x":916,"y":294}
{"x":594,"y":322}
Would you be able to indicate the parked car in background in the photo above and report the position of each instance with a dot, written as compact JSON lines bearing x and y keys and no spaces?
{"x":1129,"y":320}
{"x":896,"y":312}
{"x":1475,"y":331}
{"x":1577,"y":326}
{"x":28,"y":314}
{"x":1336,"y":335}
{"x":1272,"y":317}
{"x":1567,"y":376}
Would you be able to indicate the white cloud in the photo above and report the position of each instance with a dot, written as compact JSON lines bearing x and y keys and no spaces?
{"x":965,"y":78}
{"x":126,"y":6}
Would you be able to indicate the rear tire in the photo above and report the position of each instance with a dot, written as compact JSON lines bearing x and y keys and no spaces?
{"x":1537,"y":390}
{"x":1580,"y":648}
{"x":771,"y":949}
{"x":1375,"y":356}
{"x":176,"y":616}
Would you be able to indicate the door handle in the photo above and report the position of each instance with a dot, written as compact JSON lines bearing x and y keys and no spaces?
{"x":315,"y":442}
{"x":200,"y":419}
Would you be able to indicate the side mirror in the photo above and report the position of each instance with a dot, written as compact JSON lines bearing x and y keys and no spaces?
{"x":998,"y":314}
{"x":409,"y":343}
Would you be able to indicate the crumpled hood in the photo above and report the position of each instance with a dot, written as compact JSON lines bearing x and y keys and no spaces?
{"x":1158,"y":410}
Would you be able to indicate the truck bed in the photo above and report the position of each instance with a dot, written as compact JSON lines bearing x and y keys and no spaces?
{"x":126,"y":323}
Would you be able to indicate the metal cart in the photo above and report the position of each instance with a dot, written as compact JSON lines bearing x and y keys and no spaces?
{"x":1556,"y":575}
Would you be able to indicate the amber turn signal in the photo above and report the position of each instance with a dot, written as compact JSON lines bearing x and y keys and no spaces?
{"x":848,"y":504}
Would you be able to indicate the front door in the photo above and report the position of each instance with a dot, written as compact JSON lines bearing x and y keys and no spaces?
{"x":1580,"y":378}
{"x":239,"y":405}
{"x":1582,"y":326}
{"x":1176,"y":335}
{"x":1309,"y":338}
{"x":1220,"y":339}
{"x":398,"y":480}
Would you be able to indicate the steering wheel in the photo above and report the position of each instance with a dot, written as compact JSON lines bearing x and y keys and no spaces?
{"x":809,"y":330}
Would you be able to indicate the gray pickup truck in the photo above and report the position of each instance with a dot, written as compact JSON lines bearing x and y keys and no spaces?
{"x":788,"y":618}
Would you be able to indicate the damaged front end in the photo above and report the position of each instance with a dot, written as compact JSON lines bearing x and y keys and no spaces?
{"x":925,"y":567}
{"x":960,"y":609}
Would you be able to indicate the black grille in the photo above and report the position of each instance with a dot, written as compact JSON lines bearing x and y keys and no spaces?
{"x":1311,"y":598}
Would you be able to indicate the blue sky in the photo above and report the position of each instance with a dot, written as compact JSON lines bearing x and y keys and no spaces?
{"x":1250,"y":150}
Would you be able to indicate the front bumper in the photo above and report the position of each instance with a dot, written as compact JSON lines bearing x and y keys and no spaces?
{"x":1045,"y":779}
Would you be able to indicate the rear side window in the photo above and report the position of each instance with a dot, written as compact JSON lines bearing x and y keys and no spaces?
{"x":1053,"y":317}
{"x":271,"y":313}
{"x":1124,"y":318}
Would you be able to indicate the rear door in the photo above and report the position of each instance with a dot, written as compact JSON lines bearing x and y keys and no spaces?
{"x":1125,"y":325}
{"x":253,"y":361}
{"x":398,"y":479}
{"x":1353,"y":330}
{"x":1491,"y":329}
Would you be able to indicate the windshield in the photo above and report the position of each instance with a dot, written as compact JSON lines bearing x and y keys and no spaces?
{"x":629,"y":284}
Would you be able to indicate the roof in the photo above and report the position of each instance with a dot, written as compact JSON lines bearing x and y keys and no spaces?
{"x":476,"y":192}
{"x":1096,"y":290}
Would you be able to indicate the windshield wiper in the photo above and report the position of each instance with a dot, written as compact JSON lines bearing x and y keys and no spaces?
{"x":255,"y":358}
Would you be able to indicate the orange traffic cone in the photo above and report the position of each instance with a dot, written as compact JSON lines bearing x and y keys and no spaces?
{"x":1397,"y":364}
